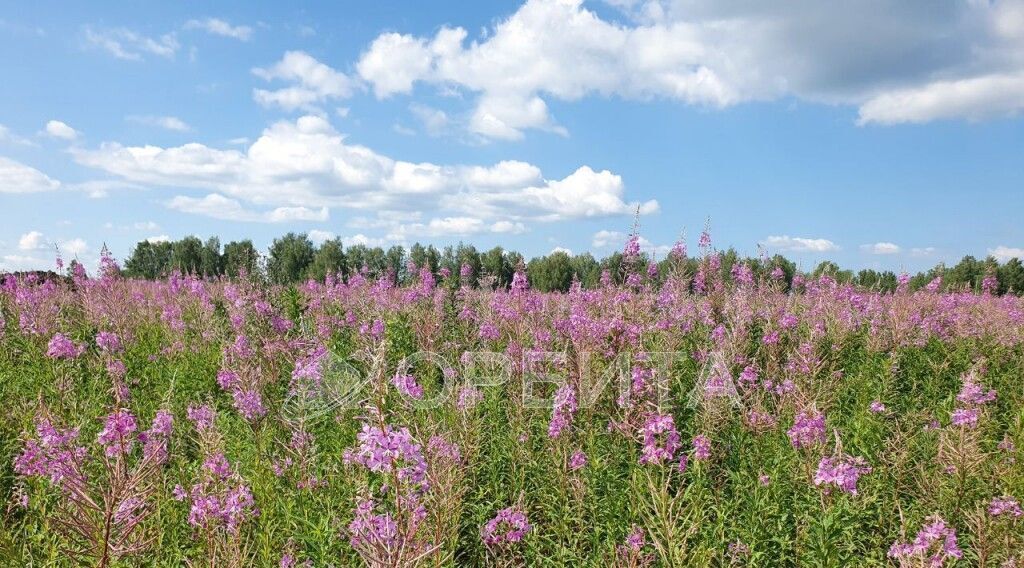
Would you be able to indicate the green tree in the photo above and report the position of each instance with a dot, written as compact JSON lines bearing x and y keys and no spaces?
{"x":187,"y":255}
{"x":210,"y":258}
{"x":587,"y":270}
{"x":148,"y":260}
{"x":238,"y":257}
{"x":329,"y":259}
{"x":551,"y":273}
{"x":289,"y":258}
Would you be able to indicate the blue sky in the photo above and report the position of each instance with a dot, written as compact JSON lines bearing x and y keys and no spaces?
{"x":882,"y":134}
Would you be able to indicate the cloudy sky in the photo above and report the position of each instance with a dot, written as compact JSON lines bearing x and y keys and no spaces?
{"x":877,"y":133}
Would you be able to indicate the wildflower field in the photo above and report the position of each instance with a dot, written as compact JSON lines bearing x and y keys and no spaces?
{"x":713,"y":417}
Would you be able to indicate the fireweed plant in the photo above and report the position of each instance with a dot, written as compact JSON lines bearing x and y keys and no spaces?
{"x":697,"y":413}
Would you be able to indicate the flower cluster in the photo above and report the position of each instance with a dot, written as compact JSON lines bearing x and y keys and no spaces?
{"x":387,"y":449}
{"x":808,"y":429}
{"x":934,"y":544}
{"x":842,"y":472}
{"x":109,"y":342}
{"x":508,"y":526}
{"x":701,"y":447}
{"x":53,"y":454}
{"x":220,"y":500}
{"x":1005,"y":506}
{"x":407,"y":386}
{"x":562,"y":412}
{"x":660,"y":438}
{"x":973,"y":397}
{"x":117,"y":434}
{"x":62,"y":347}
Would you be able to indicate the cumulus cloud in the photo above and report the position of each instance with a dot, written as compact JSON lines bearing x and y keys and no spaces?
{"x":16,"y":177}
{"x":605,"y":239}
{"x":219,"y":207}
{"x":74,"y":247}
{"x":799,"y":244}
{"x":166,"y":122}
{"x":158,"y":239}
{"x":7,"y":136}
{"x":32,"y":240}
{"x":219,"y":27}
{"x":58,"y":129}
{"x":319,"y":237}
{"x":306,"y":163}
{"x":126,"y":44}
{"x":897,"y":61}
{"x":975,"y":99}
{"x":881,"y":248}
{"x":508,"y":227}
{"x":1002,"y":253}
{"x":23,"y":262}
{"x":311,"y":82}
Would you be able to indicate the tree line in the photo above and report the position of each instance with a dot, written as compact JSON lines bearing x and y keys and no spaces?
{"x":295,"y":258}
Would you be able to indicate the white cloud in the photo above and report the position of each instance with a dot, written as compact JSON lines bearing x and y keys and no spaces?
{"x":216,"y":26}
{"x":74,"y":247}
{"x":313,"y":82}
{"x":126,"y":44}
{"x":605,"y":239}
{"x":58,"y":129}
{"x":1002,"y":253}
{"x":507,"y":174}
{"x":101,"y":188}
{"x":975,"y":98}
{"x":799,"y":244}
{"x":508,"y":227}
{"x":307,"y":163}
{"x":881,"y":248}
{"x":166,"y":122}
{"x":16,"y":177}
{"x":441,"y":227}
{"x":7,"y":136}
{"x":24,"y":262}
{"x":319,"y":237}
{"x":158,"y":239}
{"x":584,"y":193}
{"x":434,"y":120}
{"x":923,"y":251}
{"x":145,"y":226}
{"x":898,"y":61}
{"x":32,"y":240}
{"x":561,"y":249}
{"x":220,"y":207}
{"x":361,"y":239}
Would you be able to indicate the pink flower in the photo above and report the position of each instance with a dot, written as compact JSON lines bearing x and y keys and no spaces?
{"x":118,"y":429}
{"x":201,"y":416}
{"x":701,"y":447}
{"x":808,"y":429}
{"x":577,"y":461}
{"x":508,"y":526}
{"x":1005,"y":506}
{"x":562,"y":412}
{"x":61,"y":347}
{"x":407,"y":386}
{"x":661,"y":439}
{"x":841,"y":471}
{"x":936,"y":542}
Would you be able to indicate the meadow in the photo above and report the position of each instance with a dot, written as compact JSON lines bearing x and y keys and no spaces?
{"x":701,"y":418}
